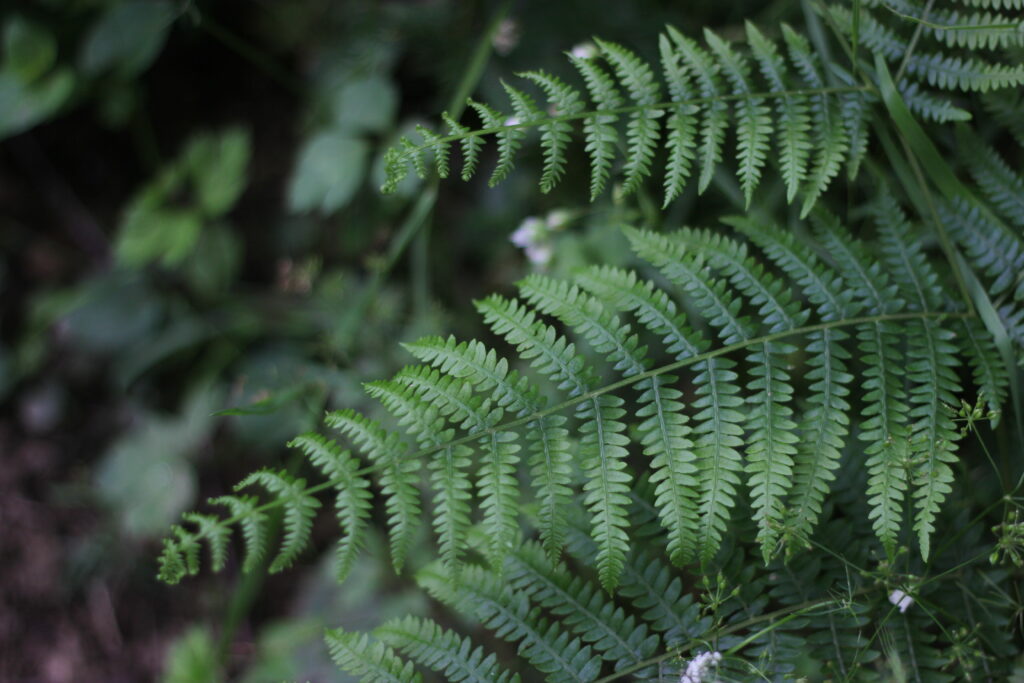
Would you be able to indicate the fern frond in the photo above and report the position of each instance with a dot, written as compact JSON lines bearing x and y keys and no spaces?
{"x":352,"y":501}
{"x":957,"y":73}
{"x":369,"y":660}
{"x":509,"y":138}
{"x":398,"y":474}
{"x":664,"y":432}
{"x":440,"y":148}
{"x":555,"y":133}
{"x":498,"y":490}
{"x":299,"y":509}
{"x":598,"y":129}
{"x":769,"y":457}
{"x":471,"y":145}
{"x":681,"y":139}
{"x":716,"y":111}
{"x":719,"y":460}
{"x":443,"y":651}
{"x":1000,"y":185}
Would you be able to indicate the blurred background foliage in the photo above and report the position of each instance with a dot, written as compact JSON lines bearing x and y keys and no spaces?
{"x":195,"y":263}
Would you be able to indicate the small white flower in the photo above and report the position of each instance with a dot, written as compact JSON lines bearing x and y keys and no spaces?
{"x":700,"y":666}
{"x":558,"y":219}
{"x":512,"y":121}
{"x":528,"y":232}
{"x":539,"y":254}
{"x":901,"y":600}
{"x":533,"y":237}
{"x":584,"y":51}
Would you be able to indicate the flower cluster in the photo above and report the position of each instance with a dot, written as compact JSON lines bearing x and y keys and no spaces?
{"x":700,"y":666}
{"x":534,"y":236}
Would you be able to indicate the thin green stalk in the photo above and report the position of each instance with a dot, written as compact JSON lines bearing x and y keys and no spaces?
{"x":913,"y":42}
{"x":424,"y":203}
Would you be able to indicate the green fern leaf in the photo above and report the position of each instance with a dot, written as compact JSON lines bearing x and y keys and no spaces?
{"x":931,"y":369}
{"x":598,"y":129}
{"x":825,"y":425}
{"x":884,"y":426}
{"x":829,"y":135}
{"x":471,"y":145}
{"x":579,"y":606}
{"x":716,"y":450}
{"x":555,"y":134}
{"x":681,"y":141}
{"x":664,"y":431}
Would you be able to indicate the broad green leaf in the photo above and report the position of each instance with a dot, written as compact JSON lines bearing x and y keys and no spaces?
{"x":154,"y":234}
{"x":22,"y":106}
{"x":218,"y":165}
{"x":29,"y":49}
{"x":365,"y":106}
{"x":127,"y":38}
{"x":330,"y":169}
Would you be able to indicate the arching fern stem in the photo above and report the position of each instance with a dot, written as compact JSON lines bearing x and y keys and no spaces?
{"x":590,"y":395}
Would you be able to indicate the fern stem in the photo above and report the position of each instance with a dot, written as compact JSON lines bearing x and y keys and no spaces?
{"x":594,"y":393}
